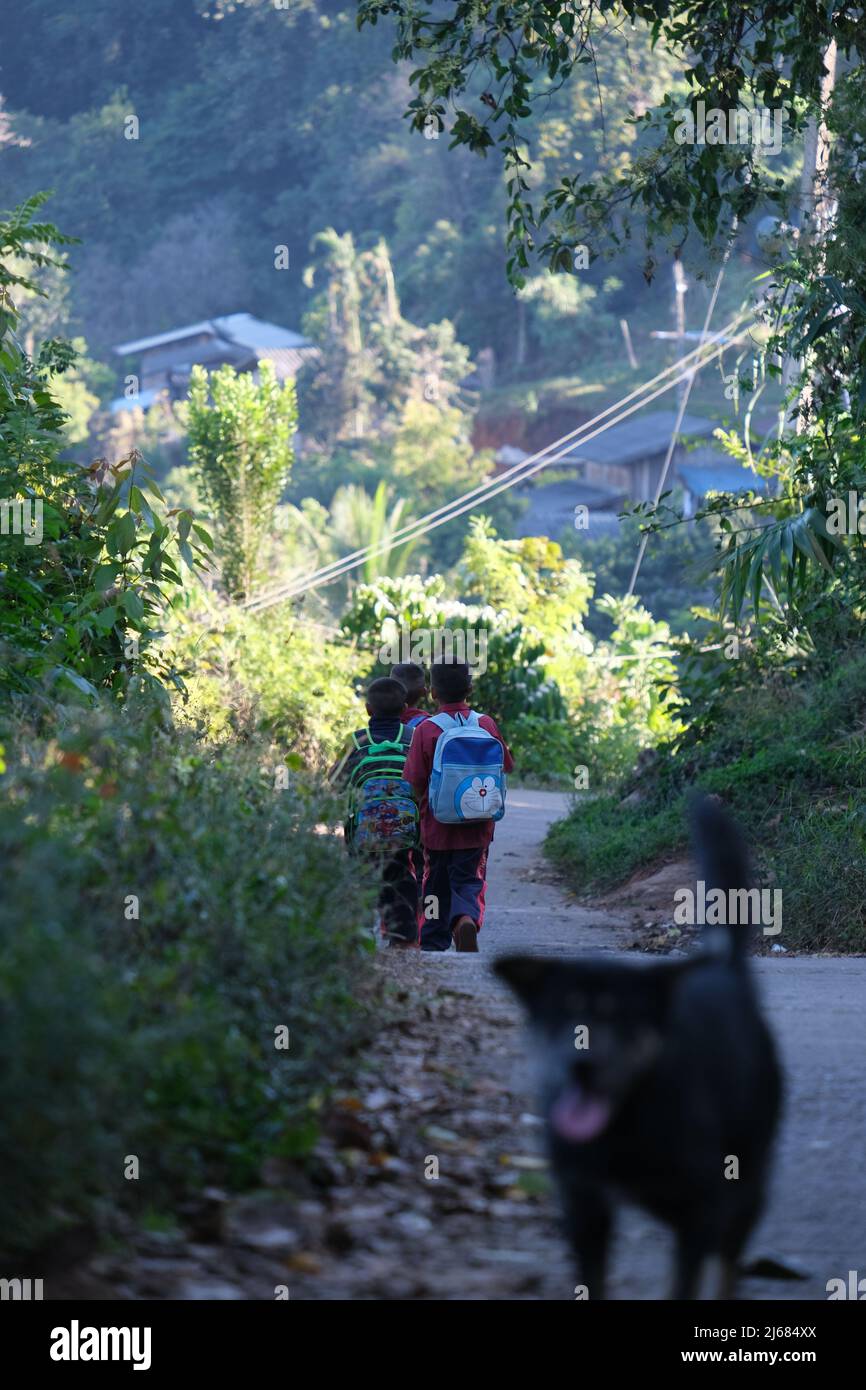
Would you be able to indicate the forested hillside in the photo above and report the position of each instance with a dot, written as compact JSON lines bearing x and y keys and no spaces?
{"x":261,"y":126}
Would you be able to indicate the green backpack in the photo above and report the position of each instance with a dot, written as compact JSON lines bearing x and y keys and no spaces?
{"x":383,"y":812}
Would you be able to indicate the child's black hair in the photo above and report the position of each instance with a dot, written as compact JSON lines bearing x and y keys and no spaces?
{"x":386,"y":696}
{"x":451,"y":681}
{"x":413,"y":676}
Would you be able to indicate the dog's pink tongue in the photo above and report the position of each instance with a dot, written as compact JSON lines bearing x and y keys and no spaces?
{"x":579,"y":1117}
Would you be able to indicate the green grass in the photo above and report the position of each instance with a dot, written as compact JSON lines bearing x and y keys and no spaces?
{"x":602,"y":843}
{"x":789,"y":758}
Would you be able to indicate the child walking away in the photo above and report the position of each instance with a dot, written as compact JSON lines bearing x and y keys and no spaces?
{"x":457,"y":766}
{"x":414,"y":677}
{"x":383,"y":818}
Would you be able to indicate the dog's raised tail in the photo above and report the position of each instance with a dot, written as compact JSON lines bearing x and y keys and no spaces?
{"x":723,"y":864}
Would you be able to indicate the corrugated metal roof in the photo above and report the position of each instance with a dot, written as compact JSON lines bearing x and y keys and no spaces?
{"x":288,"y":361}
{"x":551,"y":508}
{"x":245,"y":329}
{"x":567,"y":495}
{"x":637,"y":438}
{"x":508,"y":455}
{"x":707,"y":456}
{"x":215,"y":350}
{"x":258,"y":333}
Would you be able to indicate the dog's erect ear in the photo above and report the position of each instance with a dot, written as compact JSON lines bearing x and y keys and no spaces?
{"x":527,"y":975}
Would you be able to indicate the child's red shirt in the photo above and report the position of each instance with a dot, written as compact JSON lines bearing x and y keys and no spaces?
{"x":411,"y":713}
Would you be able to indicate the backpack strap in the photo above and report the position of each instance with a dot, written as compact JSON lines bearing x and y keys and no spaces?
{"x":378,"y":759}
{"x":443,"y":721}
{"x":447,"y":721}
{"x":415,"y":721}
{"x":389,"y":746}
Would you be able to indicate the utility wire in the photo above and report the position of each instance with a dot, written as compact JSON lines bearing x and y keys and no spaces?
{"x":517,"y":473}
{"x":338,"y":566}
{"x":257,"y":600}
{"x":424,"y":525}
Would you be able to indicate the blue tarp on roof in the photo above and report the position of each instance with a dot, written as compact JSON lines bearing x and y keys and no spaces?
{"x":721,"y":477}
{"x":142,"y":401}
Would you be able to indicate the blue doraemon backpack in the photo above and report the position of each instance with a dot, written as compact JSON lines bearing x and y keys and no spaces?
{"x":467,"y":782}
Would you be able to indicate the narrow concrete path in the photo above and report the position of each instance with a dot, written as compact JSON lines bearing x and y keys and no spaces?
{"x":429,"y":1179}
{"x":816,"y":1217}
{"x":526,"y":907}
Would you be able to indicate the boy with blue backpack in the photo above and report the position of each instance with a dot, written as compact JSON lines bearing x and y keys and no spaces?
{"x":383,"y":815}
{"x":457,"y":765}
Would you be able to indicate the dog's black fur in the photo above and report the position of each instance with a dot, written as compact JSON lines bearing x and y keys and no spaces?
{"x":682,"y":1063}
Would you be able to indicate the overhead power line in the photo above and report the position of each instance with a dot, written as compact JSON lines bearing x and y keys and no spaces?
{"x":678,"y":371}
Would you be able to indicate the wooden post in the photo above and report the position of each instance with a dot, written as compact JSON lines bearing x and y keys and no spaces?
{"x":632,"y":360}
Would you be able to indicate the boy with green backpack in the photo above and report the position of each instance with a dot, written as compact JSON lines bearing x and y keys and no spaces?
{"x":383,"y":818}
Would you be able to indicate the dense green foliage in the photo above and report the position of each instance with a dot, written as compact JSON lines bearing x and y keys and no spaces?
{"x":172,"y":894}
{"x":249,"y":118}
{"x":272,"y":677}
{"x":788,"y":755}
{"x":568,"y":706}
{"x":791,"y":589}
{"x":166,"y":907}
{"x":764,"y":57}
{"x":763,"y":54}
{"x":169,"y":901}
{"x":674,"y":576}
{"x":89,"y":561}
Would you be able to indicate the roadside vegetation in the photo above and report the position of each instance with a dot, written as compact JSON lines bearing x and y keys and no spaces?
{"x":787,"y":751}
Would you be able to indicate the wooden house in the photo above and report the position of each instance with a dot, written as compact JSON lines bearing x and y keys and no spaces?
{"x":626,"y":460}
{"x":165,"y":360}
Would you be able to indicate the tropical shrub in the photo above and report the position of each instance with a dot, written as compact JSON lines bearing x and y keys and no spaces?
{"x":358,"y":521}
{"x":271,"y":675}
{"x":563,"y":702}
{"x":240,"y":446}
{"x":89,"y":563}
{"x":167,"y":907}
{"x":631,"y":697}
{"x":514,"y":679}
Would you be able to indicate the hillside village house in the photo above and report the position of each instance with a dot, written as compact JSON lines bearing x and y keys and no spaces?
{"x":627,"y":460}
{"x":624,"y":464}
{"x":241,"y":340}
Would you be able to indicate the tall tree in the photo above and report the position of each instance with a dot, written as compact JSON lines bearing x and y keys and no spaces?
{"x":373,"y":360}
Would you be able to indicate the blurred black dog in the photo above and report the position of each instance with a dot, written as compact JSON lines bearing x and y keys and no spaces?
{"x":660,"y":1084}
